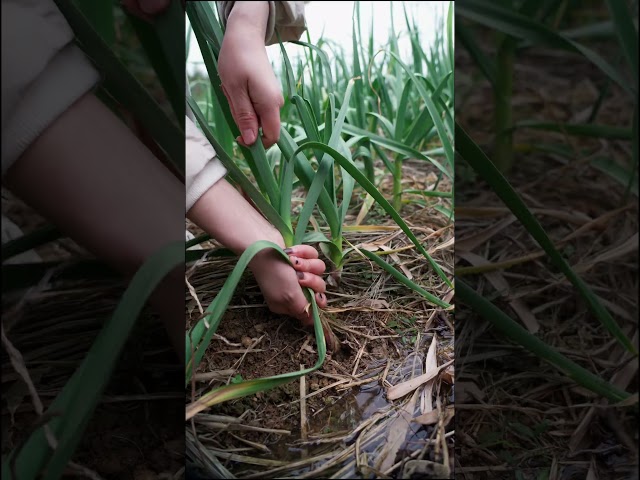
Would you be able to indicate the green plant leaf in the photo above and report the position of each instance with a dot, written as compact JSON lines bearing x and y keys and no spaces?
{"x":29,"y":241}
{"x":124,"y":87}
{"x":403,"y":279}
{"x":626,"y":31}
{"x":373,"y":191}
{"x":166,"y":55}
{"x":100,"y":14}
{"x":79,"y":397}
{"x":520,"y":26}
{"x":236,"y":174}
{"x":199,"y":338}
{"x":512,"y":330}
{"x":476,"y":158}
{"x":324,"y":169}
{"x":582,"y":130}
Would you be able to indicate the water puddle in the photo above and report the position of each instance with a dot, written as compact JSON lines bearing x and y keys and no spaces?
{"x":346,"y":417}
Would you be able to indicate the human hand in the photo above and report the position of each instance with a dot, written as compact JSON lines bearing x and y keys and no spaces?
{"x":280,"y":284}
{"x":226,"y":216}
{"x":248,"y":80}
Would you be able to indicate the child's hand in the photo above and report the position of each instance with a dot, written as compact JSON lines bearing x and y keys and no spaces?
{"x":280,"y":284}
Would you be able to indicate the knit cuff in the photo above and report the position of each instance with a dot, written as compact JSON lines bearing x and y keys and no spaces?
{"x":66,"y":78}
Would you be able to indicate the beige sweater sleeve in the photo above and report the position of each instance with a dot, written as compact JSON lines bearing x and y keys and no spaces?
{"x":43,"y":72}
{"x":203,"y":168}
{"x":287,"y":17}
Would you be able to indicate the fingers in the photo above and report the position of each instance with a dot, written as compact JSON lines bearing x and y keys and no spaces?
{"x":314,"y":266}
{"x":302,"y":251}
{"x":314,"y":282}
{"x":302,"y":311}
{"x":243,"y":113}
{"x":133,"y":7}
{"x":321,"y":299}
{"x":270,"y":122}
{"x":250,"y":115}
{"x":305,"y":316}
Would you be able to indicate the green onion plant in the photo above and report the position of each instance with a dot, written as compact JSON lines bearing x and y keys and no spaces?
{"x":313,"y":153}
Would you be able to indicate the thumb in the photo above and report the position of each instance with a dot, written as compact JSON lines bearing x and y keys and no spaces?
{"x":244,"y":114}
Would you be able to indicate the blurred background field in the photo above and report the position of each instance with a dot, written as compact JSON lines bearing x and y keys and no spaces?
{"x":547,"y":232}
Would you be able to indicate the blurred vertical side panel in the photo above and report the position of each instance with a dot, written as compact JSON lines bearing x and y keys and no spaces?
{"x":92,"y":240}
{"x":546,"y":239}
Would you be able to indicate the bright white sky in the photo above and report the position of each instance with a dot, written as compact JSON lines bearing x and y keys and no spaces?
{"x":335,"y":20}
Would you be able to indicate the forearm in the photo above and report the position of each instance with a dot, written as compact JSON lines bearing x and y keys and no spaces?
{"x":250,"y":17}
{"x":225,"y":215}
{"x":91,"y":176}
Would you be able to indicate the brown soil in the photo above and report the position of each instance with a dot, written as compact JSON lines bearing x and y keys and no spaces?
{"x":378,"y":323}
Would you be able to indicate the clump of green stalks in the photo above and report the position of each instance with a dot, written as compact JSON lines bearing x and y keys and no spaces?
{"x":398,"y":107}
{"x":522,"y":25}
{"x":390,"y":113}
{"x":329,"y":187}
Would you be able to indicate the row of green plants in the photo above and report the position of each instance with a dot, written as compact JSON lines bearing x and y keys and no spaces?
{"x":389,"y":119}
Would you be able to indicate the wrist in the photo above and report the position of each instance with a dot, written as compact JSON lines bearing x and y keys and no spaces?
{"x":272,"y":236}
{"x":264,"y":259}
{"x":229,"y":218}
{"x":249,"y":18}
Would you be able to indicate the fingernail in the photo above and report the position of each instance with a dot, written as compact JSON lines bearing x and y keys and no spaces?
{"x":248,"y":136}
{"x":300,"y":275}
{"x":321,"y":296}
{"x":288,"y":251}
